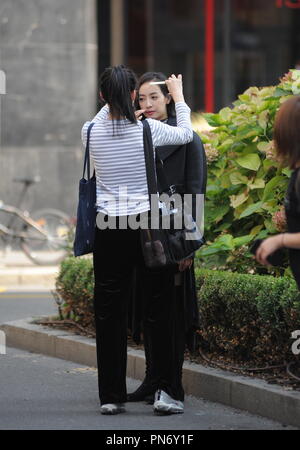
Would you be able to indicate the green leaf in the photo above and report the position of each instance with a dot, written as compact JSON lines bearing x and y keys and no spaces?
{"x":238,"y":178}
{"x":263,"y":146}
{"x":268,"y":163}
{"x":248,"y":131}
{"x":263,"y":119}
{"x":296,"y":88}
{"x":212,"y":119}
{"x":270,"y":206}
{"x":213,"y":189}
{"x":271,"y":185}
{"x":223,"y":226}
{"x":258,"y":183}
{"x":245,"y":98}
{"x":251,"y":209}
{"x":270,"y":226}
{"x":256,"y":230}
{"x":224,"y":242}
{"x":287,"y":172}
{"x":209,"y":250}
{"x":237,"y":200}
{"x":215,"y":213}
{"x":280,"y":92}
{"x":243,"y":240}
{"x":226,"y":145}
{"x":225,"y":181}
{"x":250,"y":161}
{"x":262,"y":235}
{"x":225,"y":114}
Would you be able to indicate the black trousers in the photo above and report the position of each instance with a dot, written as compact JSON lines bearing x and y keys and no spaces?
{"x":116,"y":253}
{"x":177,"y":346}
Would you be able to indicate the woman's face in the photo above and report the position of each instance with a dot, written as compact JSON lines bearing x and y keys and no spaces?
{"x":153,"y":101}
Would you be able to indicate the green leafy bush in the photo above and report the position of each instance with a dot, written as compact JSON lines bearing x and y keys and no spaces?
{"x":246,"y":185}
{"x":248,"y":317}
{"x":75,"y":289}
{"x":244,"y":317}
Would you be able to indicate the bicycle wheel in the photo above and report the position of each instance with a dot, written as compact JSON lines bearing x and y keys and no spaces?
{"x":52,"y":248}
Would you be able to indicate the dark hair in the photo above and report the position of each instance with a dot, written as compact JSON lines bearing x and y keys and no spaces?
{"x":287,"y":132}
{"x":156,"y":76}
{"x":116,"y":85}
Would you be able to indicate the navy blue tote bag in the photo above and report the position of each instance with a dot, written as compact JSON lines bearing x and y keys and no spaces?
{"x":86,"y":210}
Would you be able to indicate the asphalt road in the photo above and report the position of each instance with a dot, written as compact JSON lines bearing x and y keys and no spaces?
{"x":43,"y":393}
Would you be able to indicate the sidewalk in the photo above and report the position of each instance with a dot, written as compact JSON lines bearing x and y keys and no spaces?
{"x":252,"y":395}
{"x":18,"y":271}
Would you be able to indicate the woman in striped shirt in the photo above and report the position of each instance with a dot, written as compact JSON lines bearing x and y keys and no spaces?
{"x":116,"y":147}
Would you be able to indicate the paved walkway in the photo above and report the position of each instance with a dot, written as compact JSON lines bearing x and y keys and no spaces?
{"x":40,"y":392}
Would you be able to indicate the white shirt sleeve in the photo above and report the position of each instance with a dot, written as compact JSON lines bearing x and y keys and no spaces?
{"x":163,"y":134}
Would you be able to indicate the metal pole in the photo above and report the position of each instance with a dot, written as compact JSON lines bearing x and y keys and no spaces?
{"x":209,"y":58}
{"x":227,"y":73}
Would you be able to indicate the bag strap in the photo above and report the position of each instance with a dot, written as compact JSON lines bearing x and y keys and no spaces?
{"x":162,"y":176}
{"x":154,"y":166}
{"x":149,"y":160}
{"x":87,"y":152}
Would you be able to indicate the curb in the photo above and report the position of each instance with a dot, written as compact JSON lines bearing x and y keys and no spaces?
{"x":255,"y":396}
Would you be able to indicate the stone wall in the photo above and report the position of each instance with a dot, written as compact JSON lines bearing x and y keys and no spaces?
{"x":48,"y":51}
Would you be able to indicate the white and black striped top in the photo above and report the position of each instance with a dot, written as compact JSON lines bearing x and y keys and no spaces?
{"x":119,"y":158}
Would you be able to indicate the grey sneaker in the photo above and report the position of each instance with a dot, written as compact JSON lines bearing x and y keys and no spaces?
{"x":112,"y":408}
{"x":165,"y":404}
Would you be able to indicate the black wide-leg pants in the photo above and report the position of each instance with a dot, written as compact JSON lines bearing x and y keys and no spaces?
{"x":116,"y":253}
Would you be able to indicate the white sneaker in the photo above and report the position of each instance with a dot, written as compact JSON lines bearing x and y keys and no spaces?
{"x":112,"y":408}
{"x":163,"y":403}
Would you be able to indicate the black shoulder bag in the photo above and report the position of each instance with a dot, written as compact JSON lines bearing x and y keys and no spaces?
{"x":86,"y":210}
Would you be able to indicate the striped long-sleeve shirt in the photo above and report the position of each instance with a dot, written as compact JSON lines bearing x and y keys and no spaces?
{"x":119,"y":158}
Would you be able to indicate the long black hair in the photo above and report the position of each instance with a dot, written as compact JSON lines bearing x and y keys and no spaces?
{"x":116,"y":85}
{"x":156,"y":76}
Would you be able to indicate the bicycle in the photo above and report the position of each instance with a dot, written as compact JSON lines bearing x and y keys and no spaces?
{"x":42,"y":235}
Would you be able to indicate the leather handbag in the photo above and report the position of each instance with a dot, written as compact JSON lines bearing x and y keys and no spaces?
{"x":164,"y":246}
{"x":86,"y":209}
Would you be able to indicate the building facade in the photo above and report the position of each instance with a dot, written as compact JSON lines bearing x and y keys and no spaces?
{"x":221,"y":46}
{"x":53,"y":52}
{"x":48,"y":52}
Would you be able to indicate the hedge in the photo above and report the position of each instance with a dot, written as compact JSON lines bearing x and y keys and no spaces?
{"x":242,"y":317}
{"x":248,"y":317}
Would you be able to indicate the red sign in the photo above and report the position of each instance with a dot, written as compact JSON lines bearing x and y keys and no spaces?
{"x":288,"y":3}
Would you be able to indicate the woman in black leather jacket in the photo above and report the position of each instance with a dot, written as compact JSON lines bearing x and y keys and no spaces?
{"x":183,"y":167}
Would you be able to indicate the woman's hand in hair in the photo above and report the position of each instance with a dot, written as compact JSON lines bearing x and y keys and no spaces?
{"x":174,"y":85}
{"x":139,"y":114}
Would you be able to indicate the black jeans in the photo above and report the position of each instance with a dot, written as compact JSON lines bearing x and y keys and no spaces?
{"x":116,"y":253}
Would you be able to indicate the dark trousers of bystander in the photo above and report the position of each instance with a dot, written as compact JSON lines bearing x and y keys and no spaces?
{"x":116,"y":253}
